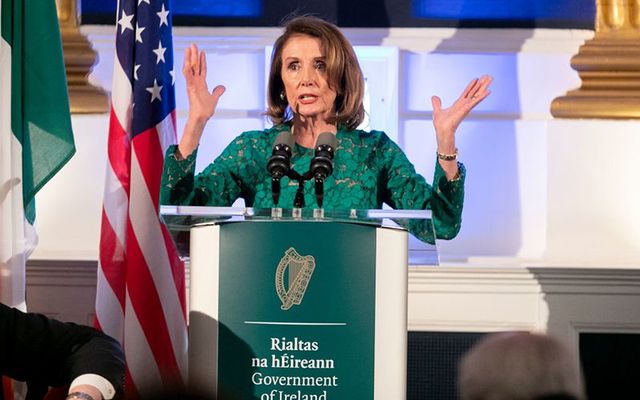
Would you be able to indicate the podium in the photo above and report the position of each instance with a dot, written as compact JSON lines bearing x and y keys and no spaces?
{"x":295,"y":304}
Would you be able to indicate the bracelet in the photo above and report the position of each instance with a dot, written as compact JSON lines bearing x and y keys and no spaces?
{"x":447,"y":157}
{"x":79,"y":396}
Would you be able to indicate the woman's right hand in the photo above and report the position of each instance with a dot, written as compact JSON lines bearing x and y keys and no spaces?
{"x":202,"y":103}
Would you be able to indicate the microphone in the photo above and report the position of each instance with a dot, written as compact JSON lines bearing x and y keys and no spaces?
{"x":322,"y":162}
{"x":279,"y":163}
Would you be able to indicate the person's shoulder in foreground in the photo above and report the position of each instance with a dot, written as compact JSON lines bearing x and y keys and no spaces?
{"x":46,"y":352}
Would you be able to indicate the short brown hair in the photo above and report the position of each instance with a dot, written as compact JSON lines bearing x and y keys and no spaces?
{"x":343,"y":69}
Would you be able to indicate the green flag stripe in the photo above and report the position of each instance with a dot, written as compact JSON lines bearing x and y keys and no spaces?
{"x":40,"y":117}
{"x":6,"y":7}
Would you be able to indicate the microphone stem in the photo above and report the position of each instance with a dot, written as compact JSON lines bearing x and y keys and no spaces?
{"x":319,"y":191}
{"x":275,"y":190}
{"x":298,"y":202}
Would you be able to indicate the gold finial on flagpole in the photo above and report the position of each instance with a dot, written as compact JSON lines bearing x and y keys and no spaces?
{"x":608,"y":65}
{"x":79,"y":59}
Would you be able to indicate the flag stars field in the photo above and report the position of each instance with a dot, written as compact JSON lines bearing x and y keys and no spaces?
{"x":139,"y":30}
{"x":160,"y":53}
{"x":125,"y":22}
{"x":163,"y":14}
{"x":155,"y":91}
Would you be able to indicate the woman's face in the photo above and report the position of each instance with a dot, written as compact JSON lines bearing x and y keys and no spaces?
{"x":304,"y":73}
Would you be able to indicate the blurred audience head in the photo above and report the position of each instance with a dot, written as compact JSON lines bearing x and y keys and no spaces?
{"x":519,"y":366}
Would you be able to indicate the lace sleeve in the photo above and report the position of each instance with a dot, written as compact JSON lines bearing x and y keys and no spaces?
{"x":406,"y":189}
{"x":216,"y":185}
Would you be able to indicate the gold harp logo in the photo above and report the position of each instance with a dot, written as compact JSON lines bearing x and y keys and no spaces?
{"x":299,"y":270}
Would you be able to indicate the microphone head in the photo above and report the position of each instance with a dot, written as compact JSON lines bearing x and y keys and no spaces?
{"x":322,"y":161}
{"x":327,"y":139}
{"x":285,"y":138}
{"x":279,"y":163}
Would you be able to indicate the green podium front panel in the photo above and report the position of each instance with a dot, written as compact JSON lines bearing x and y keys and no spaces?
{"x":296,"y":311}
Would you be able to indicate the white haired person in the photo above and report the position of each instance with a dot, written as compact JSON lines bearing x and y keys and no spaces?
{"x":519,"y":366}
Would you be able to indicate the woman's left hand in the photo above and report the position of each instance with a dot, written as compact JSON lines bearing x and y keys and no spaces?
{"x":446,"y":120}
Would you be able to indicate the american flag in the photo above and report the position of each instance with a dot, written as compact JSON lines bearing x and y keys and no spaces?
{"x":140,"y":296}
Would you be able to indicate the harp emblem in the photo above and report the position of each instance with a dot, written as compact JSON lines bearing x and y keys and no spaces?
{"x":292,"y":277}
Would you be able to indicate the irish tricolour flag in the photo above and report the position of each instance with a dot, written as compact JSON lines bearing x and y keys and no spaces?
{"x":35,"y":129}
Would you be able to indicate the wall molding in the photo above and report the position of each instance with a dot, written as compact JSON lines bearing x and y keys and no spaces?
{"x":562,"y":301}
{"x":441,"y":40}
{"x":73,"y":273}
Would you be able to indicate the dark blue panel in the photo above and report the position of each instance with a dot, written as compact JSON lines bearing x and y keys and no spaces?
{"x":219,"y":8}
{"x":98,"y":7}
{"x":371,"y":13}
{"x":201,"y":8}
{"x":547,"y":10}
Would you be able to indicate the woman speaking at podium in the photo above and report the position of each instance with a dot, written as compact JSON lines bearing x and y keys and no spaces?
{"x":316,"y":87}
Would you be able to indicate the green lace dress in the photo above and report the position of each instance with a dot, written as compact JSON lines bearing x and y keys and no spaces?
{"x":369,"y":169}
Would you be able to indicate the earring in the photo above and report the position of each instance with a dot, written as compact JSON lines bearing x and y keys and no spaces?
{"x":282,"y":95}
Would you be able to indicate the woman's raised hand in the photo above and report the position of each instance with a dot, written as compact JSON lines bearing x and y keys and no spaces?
{"x":202,"y":103}
{"x":447,"y":120}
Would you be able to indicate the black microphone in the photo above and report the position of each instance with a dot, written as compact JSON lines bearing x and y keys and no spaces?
{"x":279,"y":163}
{"x":322,"y":162}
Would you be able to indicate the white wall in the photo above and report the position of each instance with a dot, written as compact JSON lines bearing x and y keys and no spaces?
{"x":539,"y":191}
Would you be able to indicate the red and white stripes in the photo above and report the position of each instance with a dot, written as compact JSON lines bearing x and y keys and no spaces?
{"x":141,"y":281}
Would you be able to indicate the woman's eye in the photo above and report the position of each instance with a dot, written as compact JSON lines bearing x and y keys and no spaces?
{"x":294,"y":66}
{"x":321,"y":66}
